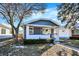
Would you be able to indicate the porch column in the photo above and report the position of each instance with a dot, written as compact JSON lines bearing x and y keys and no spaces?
{"x":24,"y":31}
{"x":56,"y":35}
{"x":27,"y":31}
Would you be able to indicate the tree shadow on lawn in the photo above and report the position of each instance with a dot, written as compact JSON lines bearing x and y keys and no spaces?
{"x":38,"y":49}
{"x":28,"y":50}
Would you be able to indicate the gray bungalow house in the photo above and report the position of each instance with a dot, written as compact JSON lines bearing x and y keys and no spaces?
{"x":42,"y":29}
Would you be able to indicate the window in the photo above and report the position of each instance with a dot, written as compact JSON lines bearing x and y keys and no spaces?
{"x":46,"y":31}
{"x":37,"y":30}
{"x":3,"y":31}
{"x":76,"y":32}
{"x":31,"y":30}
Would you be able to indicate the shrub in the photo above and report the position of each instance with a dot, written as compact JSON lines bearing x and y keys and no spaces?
{"x":37,"y":41}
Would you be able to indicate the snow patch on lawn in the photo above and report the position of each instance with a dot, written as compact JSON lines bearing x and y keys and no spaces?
{"x":18,"y":46}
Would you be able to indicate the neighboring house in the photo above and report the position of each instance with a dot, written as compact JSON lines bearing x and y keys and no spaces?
{"x":70,"y":33}
{"x":5,"y":31}
{"x":42,"y":29}
{"x":75,"y":31}
{"x":65,"y":32}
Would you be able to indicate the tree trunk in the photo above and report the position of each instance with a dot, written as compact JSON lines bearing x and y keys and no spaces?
{"x":13,"y":34}
{"x":18,"y":41}
{"x":16,"y":35}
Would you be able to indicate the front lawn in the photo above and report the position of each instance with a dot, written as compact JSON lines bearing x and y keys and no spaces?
{"x":73,"y":43}
{"x":4,"y":39}
{"x":27,"y":50}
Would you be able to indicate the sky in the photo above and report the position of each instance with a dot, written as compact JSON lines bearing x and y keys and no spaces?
{"x":51,"y":5}
{"x":50,"y":13}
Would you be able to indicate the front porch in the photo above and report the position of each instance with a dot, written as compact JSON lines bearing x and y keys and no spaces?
{"x":39,"y":31}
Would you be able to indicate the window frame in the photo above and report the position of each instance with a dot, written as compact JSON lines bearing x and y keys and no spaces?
{"x":31,"y":31}
{"x":3,"y":31}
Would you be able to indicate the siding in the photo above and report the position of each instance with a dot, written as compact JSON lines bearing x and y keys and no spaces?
{"x":7,"y":35}
{"x":66,"y":33}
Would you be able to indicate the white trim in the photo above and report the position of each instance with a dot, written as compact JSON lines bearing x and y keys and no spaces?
{"x":32,"y":30}
{"x":42,"y":25}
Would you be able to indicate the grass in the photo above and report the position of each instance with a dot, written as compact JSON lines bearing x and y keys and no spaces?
{"x":61,"y":40}
{"x":76,"y":42}
{"x":28,"y":50}
{"x":73,"y":43}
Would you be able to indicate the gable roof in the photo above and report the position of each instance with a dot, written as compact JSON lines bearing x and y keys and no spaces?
{"x":42,"y":19}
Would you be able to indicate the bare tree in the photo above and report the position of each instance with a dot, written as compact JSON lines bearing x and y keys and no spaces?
{"x":68,"y":12}
{"x":14,"y":13}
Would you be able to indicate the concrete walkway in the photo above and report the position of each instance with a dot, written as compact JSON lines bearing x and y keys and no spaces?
{"x":61,"y":50}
